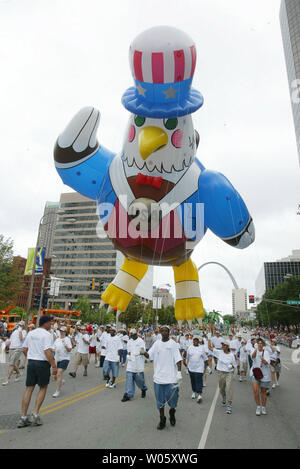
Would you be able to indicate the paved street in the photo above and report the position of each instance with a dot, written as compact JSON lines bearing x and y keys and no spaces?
{"x":88,"y":415}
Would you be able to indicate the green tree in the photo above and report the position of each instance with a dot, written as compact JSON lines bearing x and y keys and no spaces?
{"x":229,"y":319}
{"x":273,"y":309}
{"x":134,"y":312}
{"x":20,"y":311}
{"x":84,"y":305}
{"x":148,"y":314}
{"x":11,"y":277}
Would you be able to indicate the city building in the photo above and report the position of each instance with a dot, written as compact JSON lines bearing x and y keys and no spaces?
{"x":239,"y":300}
{"x":46,"y":234}
{"x":290,"y":28}
{"x":81,"y":252}
{"x":273,"y":273}
{"x":165,"y":295}
{"x":144,"y":288}
{"x":21,"y":299}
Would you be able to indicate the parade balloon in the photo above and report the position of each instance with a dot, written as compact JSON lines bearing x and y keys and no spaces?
{"x":156,"y":200}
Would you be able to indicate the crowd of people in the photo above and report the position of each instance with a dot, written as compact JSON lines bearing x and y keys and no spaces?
{"x":172,"y":350}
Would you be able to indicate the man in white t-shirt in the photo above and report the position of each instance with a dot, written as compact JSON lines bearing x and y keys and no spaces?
{"x":135,"y":366}
{"x":111,"y":363}
{"x":167,"y":373}
{"x":103,"y":340}
{"x":38,"y":350}
{"x":82,"y":354}
{"x":16,"y":341}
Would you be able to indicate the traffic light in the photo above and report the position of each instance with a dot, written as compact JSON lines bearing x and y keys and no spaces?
{"x":92,"y":284}
{"x":101,"y":286}
{"x":251,"y":299}
{"x":45,"y":300}
{"x":36,"y":302}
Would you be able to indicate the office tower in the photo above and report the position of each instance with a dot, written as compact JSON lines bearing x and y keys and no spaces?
{"x":80,"y":254}
{"x":239,"y":300}
{"x":47,"y":228}
{"x":274,"y":273}
{"x":290,"y":28}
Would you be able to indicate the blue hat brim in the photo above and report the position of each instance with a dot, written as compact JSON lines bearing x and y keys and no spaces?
{"x":134,"y":103}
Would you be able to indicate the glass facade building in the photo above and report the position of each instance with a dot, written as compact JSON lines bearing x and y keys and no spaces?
{"x":274,"y":273}
{"x":79,"y":252}
{"x":290,"y":28}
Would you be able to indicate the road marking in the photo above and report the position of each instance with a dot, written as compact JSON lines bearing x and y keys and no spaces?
{"x":77,"y":397}
{"x":208,"y":421}
{"x":285,"y":366}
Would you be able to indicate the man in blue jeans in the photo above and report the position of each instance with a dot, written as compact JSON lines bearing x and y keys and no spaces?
{"x":135,"y":366}
{"x":113,"y":346}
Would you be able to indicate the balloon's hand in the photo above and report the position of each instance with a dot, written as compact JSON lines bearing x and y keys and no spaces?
{"x":78,"y":140}
{"x":247,"y":237}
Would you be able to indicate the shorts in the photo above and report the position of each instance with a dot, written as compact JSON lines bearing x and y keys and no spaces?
{"x":166,"y":394}
{"x":38,"y":372}
{"x":276,"y":368}
{"x":63,"y":364}
{"x":243,"y":366}
{"x":81,"y":358}
{"x":92,"y":349}
{"x":14,"y":356}
{"x":262,"y":384}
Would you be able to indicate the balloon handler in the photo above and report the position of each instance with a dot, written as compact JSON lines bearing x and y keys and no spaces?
{"x":155,"y":199}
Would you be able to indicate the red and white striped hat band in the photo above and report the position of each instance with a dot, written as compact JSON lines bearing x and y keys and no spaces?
{"x":162,"y":61}
{"x":163,"y":67}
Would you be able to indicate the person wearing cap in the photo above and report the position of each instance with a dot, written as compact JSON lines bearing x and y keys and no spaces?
{"x":63,"y":347}
{"x":243,"y":361}
{"x":16,"y":342}
{"x":82,"y":354}
{"x":38,"y":350}
{"x":167,"y":374}
{"x":196,"y":358}
{"x":93,"y":344}
{"x":225,"y":368}
{"x":124,"y":339}
{"x":113,"y":346}
{"x":104,"y":336}
{"x":135,"y":367}
{"x":275,"y":363}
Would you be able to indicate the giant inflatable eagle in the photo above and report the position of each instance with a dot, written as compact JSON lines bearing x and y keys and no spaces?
{"x":155,"y":199}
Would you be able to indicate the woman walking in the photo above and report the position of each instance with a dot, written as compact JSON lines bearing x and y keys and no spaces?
{"x":196,"y":358}
{"x":63,"y":347}
{"x":225,"y":369}
{"x":260,"y":375}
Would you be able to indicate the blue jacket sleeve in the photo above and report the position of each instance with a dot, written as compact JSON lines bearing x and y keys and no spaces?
{"x":225,"y":212}
{"x":87,"y":176}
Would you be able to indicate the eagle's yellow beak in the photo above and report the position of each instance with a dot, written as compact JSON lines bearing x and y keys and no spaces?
{"x":150,"y":140}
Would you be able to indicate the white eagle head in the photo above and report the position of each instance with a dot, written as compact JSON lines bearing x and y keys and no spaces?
{"x":160,"y":145}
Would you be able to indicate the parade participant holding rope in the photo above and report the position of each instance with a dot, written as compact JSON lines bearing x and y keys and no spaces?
{"x":167,"y":373}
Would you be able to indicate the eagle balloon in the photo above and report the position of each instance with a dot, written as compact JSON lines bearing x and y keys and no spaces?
{"x":155,"y":199}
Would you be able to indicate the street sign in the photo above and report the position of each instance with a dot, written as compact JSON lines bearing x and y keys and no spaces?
{"x":293,"y":302}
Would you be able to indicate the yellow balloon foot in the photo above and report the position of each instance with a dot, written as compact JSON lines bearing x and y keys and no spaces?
{"x":189,"y":308}
{"x":116,"y":298}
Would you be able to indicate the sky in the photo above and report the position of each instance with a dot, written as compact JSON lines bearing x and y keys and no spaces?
{"x":60,"y":55}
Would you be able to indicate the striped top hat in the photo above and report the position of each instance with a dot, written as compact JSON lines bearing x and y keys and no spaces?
{"x":162,"y":62}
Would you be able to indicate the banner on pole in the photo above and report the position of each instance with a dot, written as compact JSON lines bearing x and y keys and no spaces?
{"x":39,"y":262}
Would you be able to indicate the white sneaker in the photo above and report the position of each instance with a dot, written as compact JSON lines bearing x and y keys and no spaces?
{"x":199,"y":399}
{"x":240,"y":379}
{"x":277,"y":384}
{"x":263,"y":411}
{"x":258,"y":410}
{"x":107,"y":384}
{"x":204,"y":385}
{"x":112,"y":385}
{"x":193,"y":395}
{"x":273,"y":386}
{"x":56,"y":394}
{"x":17,"y":378}
{"x":5,"y":383}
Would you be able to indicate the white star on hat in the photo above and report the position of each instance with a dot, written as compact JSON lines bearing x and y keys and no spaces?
{"x":141,"y":90}
{"x":171,"y":92}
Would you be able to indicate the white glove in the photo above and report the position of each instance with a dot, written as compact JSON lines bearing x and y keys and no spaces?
{"x":142,"y":351}
{"x":256,"y":346}
{"x":179,"y":376}
{"x":230,"y":367}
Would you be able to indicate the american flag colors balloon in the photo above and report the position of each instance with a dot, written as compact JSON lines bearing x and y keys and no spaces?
{"x":155,"y":199}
